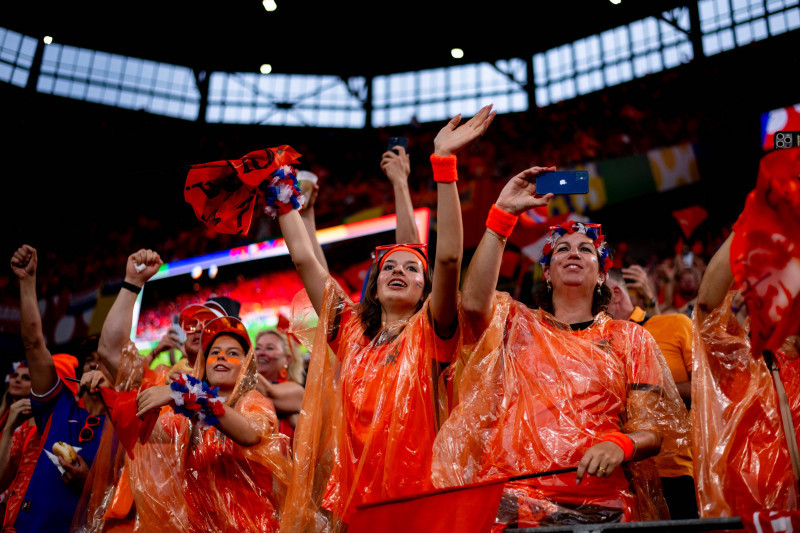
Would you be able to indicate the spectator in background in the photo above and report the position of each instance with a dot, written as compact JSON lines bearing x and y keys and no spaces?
{"x":56,"y":484}
{"x":18,"y":388}
{"x":281,"y":375}
{"x":673,"y":334}
{"x":15,"y":411}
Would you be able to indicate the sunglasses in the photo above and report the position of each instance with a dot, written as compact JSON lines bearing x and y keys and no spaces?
{"x":419,"y":248}
{"x":87,"y":433}
{"x":193,"y":325}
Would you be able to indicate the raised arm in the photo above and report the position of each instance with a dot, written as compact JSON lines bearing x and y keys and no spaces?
{"x":116,"y":330}
{"x":305,"y":261}
{"x":397,"y":167}
{"x":716,"y":282}
{"x":480,"y":282}
{"x":450,"y":235}
{"x":40,"y":361}
{"x":310,"y":222}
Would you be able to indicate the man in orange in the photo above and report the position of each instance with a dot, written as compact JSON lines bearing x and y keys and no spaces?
{"x":673,"y":334}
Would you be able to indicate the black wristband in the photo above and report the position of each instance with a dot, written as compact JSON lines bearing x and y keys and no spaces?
{"x":131,"y":287}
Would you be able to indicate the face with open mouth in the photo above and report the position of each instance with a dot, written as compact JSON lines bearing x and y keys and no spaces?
{"x":574,"y":262}
{"x":224,"y":362}
{"x":401,"y":279}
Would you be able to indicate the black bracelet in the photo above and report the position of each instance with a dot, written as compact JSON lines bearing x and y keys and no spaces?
{"x":131,"y":287}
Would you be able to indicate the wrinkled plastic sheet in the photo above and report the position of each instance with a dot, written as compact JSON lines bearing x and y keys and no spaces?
{"x":190,"y":479}
{"x":741,"y":458}
{"x":369,"y":416}
{"x":534,"y":396}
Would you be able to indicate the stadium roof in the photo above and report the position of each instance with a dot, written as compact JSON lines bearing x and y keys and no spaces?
{"x":363,"y":37}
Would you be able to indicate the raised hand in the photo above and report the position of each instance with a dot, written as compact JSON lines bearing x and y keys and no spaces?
{"x":519,"y":194}
{"x":636,"y":277}
{"x":18,"y":413}
{"x":142,"y":266}
{"x":396,"y":165}
{"x":24,"y":261}
{"x":169,"y":341}
{"x":452,"y":137}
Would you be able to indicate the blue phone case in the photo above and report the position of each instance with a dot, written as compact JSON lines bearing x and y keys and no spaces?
{"x":563,"y":182}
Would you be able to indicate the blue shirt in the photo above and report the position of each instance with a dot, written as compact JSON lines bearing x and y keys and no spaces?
{"x":49,"y":503}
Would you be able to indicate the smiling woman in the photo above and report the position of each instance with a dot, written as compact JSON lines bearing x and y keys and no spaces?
{"x":369,"y":418}
{"x":562,"y":387}
{"x":224,"y":434}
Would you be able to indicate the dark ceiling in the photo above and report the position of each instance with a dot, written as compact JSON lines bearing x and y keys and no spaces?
{"x":364,"y":37}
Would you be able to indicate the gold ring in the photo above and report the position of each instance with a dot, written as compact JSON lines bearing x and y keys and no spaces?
{"x":601,"y":469}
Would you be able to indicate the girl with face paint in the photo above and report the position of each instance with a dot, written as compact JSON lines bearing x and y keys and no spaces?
{"x":369,"y":417}
{"x":560,"y":387}
{"x":223,"y":440}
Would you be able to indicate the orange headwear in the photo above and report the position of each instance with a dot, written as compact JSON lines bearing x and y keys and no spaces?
{"x":66,"y":367}
{"x":418,"y":249}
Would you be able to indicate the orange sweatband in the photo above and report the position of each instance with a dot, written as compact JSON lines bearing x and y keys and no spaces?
{"x":444,"y":168}
{"x":401,"y":248}
{"x":623,"y":441}
{"x":501,"y":222}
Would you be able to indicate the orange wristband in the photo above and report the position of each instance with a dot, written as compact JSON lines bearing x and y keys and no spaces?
{"x":501,"y":222}
{"x":444,"y":168}
{"x":623,"y":441}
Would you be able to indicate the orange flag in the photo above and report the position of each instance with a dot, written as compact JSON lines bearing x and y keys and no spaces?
{"x":224,"y":194}
{"x":122,"y":410}
{"x":467,"y":509}
{"x":765,"y":251}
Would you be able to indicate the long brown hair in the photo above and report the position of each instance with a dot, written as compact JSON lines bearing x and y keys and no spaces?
{"x":370,"y":307}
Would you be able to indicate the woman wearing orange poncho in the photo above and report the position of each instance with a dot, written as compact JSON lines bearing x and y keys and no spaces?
{"x":560,"y":387}
{"x":224,"y":435}
{"x":369,"y":417}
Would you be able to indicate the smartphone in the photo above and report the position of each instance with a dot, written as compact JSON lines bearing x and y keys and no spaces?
{"x":398,"y":141}
{"x":563,"y":182}
{"x":176,"y":327}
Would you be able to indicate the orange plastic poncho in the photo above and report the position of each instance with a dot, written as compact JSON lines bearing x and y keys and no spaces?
{"x":223,"y":486}
{"x":187,"y":479}
{"x":741,"y":460}
{"x":369,"y":415}
{"x":534,"y":396}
